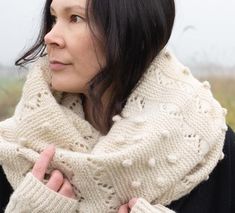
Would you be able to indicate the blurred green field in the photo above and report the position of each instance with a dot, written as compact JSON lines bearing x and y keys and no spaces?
{"x":10,"y":93}
{"x":223,"y":88}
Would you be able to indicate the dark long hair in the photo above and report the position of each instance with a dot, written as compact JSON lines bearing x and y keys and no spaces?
{"x":133,"y":32}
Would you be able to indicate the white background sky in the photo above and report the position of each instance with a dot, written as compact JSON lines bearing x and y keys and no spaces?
{"x":212,"y":38}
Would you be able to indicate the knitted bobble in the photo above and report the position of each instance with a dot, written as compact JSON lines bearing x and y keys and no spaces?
{"x":225,"y":111}
{"x":224,"y":128}
{"x":116,"y":118}
{"x":174,"y":112}
{"x":207,"y":178}
{"x":45,"y":125}
{"x":206,"y":84}
{"x":120,"y":138}
{"x":127,"y":163}
{"x":22,"y":141}
{"x":165,"y":134}
{"x":135,"y":184}
{"x":126,"y":115}
{"x":204,"y":148}
{"x":151,"y":162}
{"x":172,"y":159}
{"x":31,"y":104}
{"x":138,"y":138}
{"x":186,"y":71}
{"x":139,"y":120}
{"x":160,"y":181}
{"x":163,"y":107}
{"x":221,"y":156}
{"x":167,"y":54}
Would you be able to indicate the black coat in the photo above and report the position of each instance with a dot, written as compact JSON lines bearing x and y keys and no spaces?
{"x":216,"y":195}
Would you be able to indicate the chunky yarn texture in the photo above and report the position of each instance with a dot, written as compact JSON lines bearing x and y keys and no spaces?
{"x":167,"y":139}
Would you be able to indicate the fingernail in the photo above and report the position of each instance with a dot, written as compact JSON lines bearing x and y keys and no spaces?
{"x":51,"y":147}
{"x":132,"y":202}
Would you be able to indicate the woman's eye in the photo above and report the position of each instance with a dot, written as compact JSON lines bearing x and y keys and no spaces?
{"x":53,"y":19}
{"x":76,"y":18}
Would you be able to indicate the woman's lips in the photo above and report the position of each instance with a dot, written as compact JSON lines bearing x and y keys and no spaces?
{"x":56,"y":66}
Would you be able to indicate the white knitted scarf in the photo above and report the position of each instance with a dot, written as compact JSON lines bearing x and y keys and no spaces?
{"x":167,"y":139}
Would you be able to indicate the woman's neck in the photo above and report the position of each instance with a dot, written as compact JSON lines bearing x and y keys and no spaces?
{"x":88,"y":106}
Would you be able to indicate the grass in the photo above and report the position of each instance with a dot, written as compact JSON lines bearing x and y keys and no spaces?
{"x":222,"y":88}
{"x":10,"y":93}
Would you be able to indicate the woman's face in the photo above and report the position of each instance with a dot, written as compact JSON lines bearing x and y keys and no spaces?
{"x":71,"y":43}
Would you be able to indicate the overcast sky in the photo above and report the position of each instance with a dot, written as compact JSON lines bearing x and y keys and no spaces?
{"x":209,"y":36}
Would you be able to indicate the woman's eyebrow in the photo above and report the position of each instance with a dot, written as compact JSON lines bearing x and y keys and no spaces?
{"x":69,"y":8}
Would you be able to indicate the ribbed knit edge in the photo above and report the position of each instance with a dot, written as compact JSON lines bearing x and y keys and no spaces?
{"x":143,"y":205}
{"x":34,"y":194}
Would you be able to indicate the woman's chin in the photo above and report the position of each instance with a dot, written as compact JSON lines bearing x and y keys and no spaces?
{"x":57,"y":86}
{"x":63,"y":88}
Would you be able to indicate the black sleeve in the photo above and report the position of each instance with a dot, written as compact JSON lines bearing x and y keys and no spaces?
{"x":5,"y":190}
{"x":216,"y":195}
{"x":231,"y":137}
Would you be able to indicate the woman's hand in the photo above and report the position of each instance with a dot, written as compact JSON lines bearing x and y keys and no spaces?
{"x":56,"y":182}
{"x":128,"y":206}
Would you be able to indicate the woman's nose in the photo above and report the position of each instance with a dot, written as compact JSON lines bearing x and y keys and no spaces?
{"x":54,"y":38}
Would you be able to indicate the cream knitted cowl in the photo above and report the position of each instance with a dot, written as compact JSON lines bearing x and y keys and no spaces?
{"x":167,"y":139}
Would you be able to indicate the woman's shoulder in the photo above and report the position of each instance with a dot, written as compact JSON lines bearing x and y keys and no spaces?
{"x":217,"y":194}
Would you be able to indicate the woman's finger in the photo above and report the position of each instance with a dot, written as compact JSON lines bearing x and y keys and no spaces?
{"x":123,"y":209}
{"x":55,"y":181}
{"x":132,"y":202}
{"x":67,"y":189}
{"x":43,"y":162}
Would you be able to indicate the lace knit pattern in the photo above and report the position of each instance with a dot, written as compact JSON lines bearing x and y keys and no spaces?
{"x":167,"y":139}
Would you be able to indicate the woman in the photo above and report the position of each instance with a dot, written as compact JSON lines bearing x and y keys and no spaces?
{"x":109,"y":120}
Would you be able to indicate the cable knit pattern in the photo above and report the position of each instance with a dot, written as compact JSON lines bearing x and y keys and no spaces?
{"x":167,"y":139}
